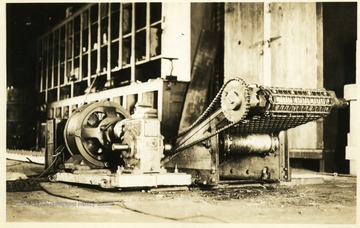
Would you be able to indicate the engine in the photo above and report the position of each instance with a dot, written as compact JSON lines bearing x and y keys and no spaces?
{"x":105,"y":136}
{"x":240,"y":139}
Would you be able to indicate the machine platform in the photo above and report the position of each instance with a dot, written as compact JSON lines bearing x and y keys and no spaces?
{"x":116,"y":180}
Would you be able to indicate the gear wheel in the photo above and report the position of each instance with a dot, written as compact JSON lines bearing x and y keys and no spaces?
{"x":235,"y":100}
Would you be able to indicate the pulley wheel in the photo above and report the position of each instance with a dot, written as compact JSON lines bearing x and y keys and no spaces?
{"x":88,"y":131}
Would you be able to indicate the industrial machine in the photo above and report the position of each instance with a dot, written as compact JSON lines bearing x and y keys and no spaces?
{"x":238,"y":137}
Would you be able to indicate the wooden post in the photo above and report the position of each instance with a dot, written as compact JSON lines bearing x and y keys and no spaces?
{"x":195,"y":100}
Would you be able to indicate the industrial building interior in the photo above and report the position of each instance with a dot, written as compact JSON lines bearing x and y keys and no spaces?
{"x":182,"y":112}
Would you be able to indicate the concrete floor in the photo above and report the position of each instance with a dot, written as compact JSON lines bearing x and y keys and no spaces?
{"x":331,"y":201}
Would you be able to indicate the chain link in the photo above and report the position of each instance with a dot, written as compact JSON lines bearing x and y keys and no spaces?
{"x":288,"y":108}
{"x":206,"y":113}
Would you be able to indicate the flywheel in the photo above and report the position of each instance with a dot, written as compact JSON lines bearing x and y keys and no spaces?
{"x":88,"y":131}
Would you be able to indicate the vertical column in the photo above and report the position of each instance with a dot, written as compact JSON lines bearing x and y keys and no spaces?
{"x":41,"y":71}
{"x":120,"y":50}
{"x":66,"y":53}
{"x":59,"y":66}
{"x":132,"y":51}
{"x":176,"y":40}
{"x":81,"y":46}
{"x":98,"y":56}
{"x":352,"y":93}
{"x":89,"y":48}
{"x":72,"y":57}
{"x":52,"y":59}
{"x":147,"y":42}
{"x":319,"y":70}
{"x":108,"y":57}
{"x":50,"y":143}
{"x":46,"y":72}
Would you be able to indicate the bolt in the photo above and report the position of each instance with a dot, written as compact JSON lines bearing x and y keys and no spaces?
{"x":104,"y":183}
{"x":118,"y":170}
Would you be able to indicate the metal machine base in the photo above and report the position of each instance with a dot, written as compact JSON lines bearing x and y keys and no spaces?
{"x":116,"y":180}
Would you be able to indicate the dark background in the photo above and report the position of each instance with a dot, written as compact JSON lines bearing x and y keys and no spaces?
{"x":24,"y":24}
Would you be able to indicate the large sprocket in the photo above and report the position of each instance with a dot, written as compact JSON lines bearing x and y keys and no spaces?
{"x":235,"y":100}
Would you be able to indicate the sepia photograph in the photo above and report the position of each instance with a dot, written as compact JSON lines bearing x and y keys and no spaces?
{"x":181,"y":112}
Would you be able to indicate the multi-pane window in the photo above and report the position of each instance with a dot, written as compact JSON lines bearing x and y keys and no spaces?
{"x":112,"y":43}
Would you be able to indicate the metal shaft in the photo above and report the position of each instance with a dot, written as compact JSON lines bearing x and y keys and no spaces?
{"x":235,"y":143}
{"x":119,"y":147}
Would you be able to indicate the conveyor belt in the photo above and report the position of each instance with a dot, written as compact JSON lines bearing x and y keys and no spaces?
{"x":288,"y":108}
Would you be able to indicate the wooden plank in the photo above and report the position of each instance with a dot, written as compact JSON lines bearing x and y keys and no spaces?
{"x":201,"y":18}
{"x":284,"y":158}
{"x":306,"y":155}
{"x":320,"y":68}
{"x":294,"y":55}
{"x":319,"y":44}
{"x":195,"y":99}
{"x":50,"y":143}
{"x":244,"y":33}
{"x":295,"y":61}
{"x":170,"y":107}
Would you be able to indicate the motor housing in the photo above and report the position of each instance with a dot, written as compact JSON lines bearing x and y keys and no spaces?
{"x":141,"y":145}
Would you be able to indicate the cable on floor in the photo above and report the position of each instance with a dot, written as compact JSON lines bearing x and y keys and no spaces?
{"x":170,"y":218}
{"x":58,"y":152}
{"x":122,"y":205}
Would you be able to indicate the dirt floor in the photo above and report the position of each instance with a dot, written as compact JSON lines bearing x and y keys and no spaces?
{"x":332,"y":201}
